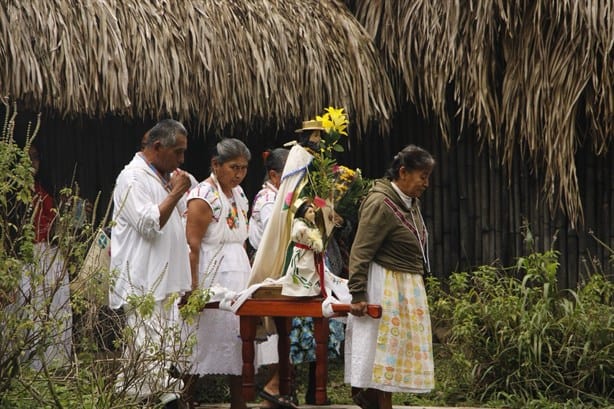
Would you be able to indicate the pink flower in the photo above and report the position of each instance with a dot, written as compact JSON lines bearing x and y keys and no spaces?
{"x":288,"y":199}
{"x":319,"y":202}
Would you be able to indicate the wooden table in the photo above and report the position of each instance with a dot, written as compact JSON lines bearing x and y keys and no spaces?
{"x":268,"y":303}
{"x":282,"y":310}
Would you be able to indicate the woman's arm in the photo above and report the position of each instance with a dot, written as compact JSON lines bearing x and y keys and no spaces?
{"x":373,"y":227}
{"x":199,"y":217}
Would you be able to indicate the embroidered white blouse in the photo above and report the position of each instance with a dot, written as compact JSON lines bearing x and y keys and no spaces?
{"x":261,"y":213}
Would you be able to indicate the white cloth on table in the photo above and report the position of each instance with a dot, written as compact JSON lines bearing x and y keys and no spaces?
{"x":336,"y":289}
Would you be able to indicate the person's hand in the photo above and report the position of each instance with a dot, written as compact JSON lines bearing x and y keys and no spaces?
{"x":184,"y":298}
{"x":180,"y":181}
{"x":337,"y":219}
{"x":358,"y":309}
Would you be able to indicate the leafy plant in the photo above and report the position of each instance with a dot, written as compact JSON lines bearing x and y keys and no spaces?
{"x":30,"y":321}
{"x":520,"y":339}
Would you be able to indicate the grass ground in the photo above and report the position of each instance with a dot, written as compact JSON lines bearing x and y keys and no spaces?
{"x":212,"y":389}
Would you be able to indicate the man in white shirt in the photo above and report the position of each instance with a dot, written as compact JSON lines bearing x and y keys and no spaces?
{"x":150,"y":259}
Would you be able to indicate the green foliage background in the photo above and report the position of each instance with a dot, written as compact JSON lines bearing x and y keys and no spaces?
{"x":511,"y":335}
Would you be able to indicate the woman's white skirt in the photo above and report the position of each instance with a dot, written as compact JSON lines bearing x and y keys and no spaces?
{"x":393,"y":353}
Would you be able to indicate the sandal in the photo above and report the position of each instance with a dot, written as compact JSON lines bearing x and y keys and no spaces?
{"x":280,"y":400}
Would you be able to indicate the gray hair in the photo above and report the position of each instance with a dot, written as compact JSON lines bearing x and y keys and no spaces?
{"x":166,"y":132}
{"x":230,"y":148}
{"x":411,"y":157}
{"x":275,"y":159}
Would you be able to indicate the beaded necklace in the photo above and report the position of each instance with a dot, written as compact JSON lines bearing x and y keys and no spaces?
{"x":422,"y":236}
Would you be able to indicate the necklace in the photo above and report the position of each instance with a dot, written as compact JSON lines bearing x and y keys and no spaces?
{"x":233,"y":218}
{"x":424,"y":247}
{"x":421,"y":236}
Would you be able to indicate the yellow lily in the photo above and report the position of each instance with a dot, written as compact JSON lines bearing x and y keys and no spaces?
{"x":335,"y":120}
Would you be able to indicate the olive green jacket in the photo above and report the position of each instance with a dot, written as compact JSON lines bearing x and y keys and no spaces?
{"x":387,"y":235}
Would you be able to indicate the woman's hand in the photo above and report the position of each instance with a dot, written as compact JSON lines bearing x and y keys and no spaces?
{"x":184,"y":299}
{"x":358,"y":309}
{"x":337,"y":219}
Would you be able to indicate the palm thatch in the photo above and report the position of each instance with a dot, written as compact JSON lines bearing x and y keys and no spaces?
{"x":534,"y":75}
{"x":222,"y":62}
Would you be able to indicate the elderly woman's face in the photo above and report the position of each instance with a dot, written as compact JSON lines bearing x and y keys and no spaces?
{"x":231,"y":173}
{"x":413,"y":182}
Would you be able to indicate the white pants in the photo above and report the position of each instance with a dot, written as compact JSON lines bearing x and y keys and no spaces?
{"x":152,"y":345}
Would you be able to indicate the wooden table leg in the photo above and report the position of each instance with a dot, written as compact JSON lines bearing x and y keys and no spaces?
{"x":321,"y":336}
{"x":283,"y":347}
{"x":248,"y":335}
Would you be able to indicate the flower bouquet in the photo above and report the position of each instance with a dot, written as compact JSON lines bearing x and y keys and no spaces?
{"x":350,"y":188}
{"x":333,"y":188}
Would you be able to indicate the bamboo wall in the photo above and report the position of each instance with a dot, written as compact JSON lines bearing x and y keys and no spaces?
{"x":475,"y":210}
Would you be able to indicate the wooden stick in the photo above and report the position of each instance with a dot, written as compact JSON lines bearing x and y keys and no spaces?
{"x":373,"y":310}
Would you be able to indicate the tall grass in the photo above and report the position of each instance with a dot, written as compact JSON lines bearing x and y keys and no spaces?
{"x":511,"y":335}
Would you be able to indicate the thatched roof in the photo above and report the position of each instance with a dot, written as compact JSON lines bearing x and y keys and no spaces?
{"x":538,"y":75}
{"x":222,"y":62}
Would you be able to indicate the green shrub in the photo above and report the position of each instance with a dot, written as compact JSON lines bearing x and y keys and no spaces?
{"x":16,"y":248}
{"x":28,"y":322}
{"x":521,"y":339}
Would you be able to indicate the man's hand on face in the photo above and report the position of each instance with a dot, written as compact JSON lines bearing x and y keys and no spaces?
{"x":180,"y":181}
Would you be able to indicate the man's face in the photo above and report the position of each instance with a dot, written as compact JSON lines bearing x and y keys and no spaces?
{"x":169,"y":158}
{"x":315,"y":137}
